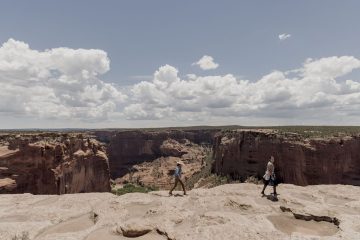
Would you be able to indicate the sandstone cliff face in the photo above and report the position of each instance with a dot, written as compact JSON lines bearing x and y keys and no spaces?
{"x":245,"y":153}
{"x":127,"y":148}
{"x":59,"y":165}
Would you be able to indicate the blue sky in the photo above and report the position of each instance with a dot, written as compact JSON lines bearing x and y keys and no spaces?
{"x":141,"y":36}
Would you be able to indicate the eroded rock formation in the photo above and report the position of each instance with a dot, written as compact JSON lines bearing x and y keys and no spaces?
{"x":128,"y":148}
{"x":158,"y":172}
{"x":67,"y":163}
{"x":245,"y":153}
{"x":52,"y":165}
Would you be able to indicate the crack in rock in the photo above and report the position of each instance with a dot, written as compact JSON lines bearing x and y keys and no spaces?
{"x":134,"y":230}
{"x":165,"y":234}
{"x":309,"y":217}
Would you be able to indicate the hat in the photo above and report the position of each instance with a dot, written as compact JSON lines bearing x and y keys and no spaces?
{"x":179,"y":163}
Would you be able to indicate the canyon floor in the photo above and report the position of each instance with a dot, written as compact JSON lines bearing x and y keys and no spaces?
{"x":232,"y":211}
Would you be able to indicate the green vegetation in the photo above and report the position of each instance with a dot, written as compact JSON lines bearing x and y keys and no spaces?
{"x":253,"y":179}
{"x":205,"y":178}
{"x":319,"y":131}
{"x":214,"y":180}
{"x":23,"y":236}
{"x":304,"y":131}
{"x":307,"y":131}
{"x":300,"y":129}
{"x":131,"y":188}
{"x":221,"y":180}
{"x":205,"y":171}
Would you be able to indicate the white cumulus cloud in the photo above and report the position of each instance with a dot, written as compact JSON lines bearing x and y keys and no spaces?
{"x":206,"y":63}
{"x":65,"y":84}
{"x":284,"y":36}
{"x":55,"y":83}
{"x":312,"y":92}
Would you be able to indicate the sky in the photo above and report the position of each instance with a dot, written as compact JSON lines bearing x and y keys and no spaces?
{"x":121,"y":64}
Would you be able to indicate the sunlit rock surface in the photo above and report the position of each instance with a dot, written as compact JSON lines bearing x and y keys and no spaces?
{"x":235,"y":211}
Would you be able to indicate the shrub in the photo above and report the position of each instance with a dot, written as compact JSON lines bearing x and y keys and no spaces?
{"x":23,"y":236}
{"x":253,"y":179}
{"x":131,"y":188}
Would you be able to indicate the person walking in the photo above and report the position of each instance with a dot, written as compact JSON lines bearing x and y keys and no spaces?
{"x":269,"y":177}
{"x":177,"y":175}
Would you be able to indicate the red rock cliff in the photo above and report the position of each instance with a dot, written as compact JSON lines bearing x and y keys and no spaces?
{"x":41,"y":165}
{"x":245,"y":153}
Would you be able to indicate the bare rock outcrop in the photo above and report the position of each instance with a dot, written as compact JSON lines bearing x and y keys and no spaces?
{"x":244,"y":153}
{"x":233,"y":211}
{"x":172,"y":147}
{"x":48,"y":165}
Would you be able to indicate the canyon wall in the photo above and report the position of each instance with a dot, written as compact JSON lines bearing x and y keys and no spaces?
{"x":57,"y":163}
{"x":52,"y":164}
{"x":245,"y":153}
{"x":127,"y":148}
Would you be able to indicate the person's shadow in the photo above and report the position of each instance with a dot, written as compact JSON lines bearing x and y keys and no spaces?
{"x":168,"y":195}
{"x":271,"y":197}
{"x":178,"y":195}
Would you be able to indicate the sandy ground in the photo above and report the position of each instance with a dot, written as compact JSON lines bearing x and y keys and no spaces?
{"x":234,"y":211}
{"x":5,"y":151}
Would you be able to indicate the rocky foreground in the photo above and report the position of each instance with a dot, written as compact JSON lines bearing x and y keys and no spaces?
{"x":235,"y":211}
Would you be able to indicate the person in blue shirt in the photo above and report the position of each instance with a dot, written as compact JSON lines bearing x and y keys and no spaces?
{"x":177,"y":175}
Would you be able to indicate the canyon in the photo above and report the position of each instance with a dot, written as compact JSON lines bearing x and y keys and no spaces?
{"x":46,"y":171}
{"x":86,"y":161}
{"x":149,"y":157}
{"x":126,"y":148}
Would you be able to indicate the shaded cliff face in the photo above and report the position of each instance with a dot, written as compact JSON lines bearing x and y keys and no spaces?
{"x":245,"y":153}
{"x":128,"y":148}
{"x":52,"y":165}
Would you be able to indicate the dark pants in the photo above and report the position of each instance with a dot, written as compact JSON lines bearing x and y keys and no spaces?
{"x":178,"y":180}
{"x":266,"y":183}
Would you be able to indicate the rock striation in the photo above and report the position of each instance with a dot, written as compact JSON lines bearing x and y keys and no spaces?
{"x":52,"y":164}
{"x":244,"y":153}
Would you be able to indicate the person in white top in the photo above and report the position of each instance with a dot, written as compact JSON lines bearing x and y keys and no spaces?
{"x":269,"y":177}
